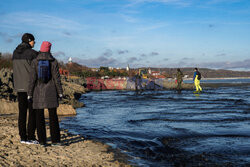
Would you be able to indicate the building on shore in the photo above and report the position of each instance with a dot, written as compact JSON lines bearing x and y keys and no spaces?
{"x":128,"y":68}
{"x":70,"y":60}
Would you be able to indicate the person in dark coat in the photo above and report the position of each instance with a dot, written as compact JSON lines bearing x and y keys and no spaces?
{"x":179,"y":78}
{"x":22,"y":57}
{"x":46,"y":94}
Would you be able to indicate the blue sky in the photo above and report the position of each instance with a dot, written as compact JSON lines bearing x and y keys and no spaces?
{"x":149,"y":33}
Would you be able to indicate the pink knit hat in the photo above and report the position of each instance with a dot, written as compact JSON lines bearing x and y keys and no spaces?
{"x":45,"y":47}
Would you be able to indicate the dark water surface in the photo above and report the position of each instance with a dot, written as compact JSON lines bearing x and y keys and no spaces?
{"x":164,"y":128}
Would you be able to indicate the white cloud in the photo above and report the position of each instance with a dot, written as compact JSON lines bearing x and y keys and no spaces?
{"x":20,"y":19}
{"x":120,"y":52}
{"x":181,"y":3}
{"x":59,"y":54}
{"x":222,"y":1}
{"x":108,"y":53}
{"x":9,"y":38}
{"x":152,"y":27}
{"x":129,"y":19}
{"x":99,"y":61}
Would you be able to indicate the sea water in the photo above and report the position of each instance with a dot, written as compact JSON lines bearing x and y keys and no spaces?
{"x":167,"y":128}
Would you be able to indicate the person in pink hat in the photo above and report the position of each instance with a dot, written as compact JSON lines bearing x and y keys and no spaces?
{"x":44,"y":90}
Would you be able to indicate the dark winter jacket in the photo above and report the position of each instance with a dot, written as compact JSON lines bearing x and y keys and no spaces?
{"x":45,"y":95}
{"x":22,"y":57}
{"x":197,"y":74}
{"x":179,"y":76}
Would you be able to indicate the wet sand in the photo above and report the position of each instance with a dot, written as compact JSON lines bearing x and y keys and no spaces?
{"x":76,"y":152}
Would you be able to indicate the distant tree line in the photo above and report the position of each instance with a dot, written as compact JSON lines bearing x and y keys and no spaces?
{"x":205,"y":72}
{"x":83,"y":71}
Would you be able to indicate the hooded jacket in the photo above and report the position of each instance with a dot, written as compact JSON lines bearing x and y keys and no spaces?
{"x":196,"y":75}
{"x":22,"y":57}
{"x":45,"y":95}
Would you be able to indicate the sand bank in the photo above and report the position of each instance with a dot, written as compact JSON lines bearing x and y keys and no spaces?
{"x":76,"y":152}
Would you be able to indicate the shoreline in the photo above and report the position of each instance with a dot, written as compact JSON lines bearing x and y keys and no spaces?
{"x":77,"y":150}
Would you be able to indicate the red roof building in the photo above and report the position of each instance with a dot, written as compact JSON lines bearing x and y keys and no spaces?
{"x":157,"y":74}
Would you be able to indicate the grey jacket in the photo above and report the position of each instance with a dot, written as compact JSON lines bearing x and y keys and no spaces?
{"x":45,"y":95}
{"x":22,"y":57}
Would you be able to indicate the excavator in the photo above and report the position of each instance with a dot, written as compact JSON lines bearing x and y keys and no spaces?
{"x":143,"y":73}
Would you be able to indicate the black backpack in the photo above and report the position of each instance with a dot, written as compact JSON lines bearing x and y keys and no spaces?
{"x":44,"y":74}
{"x":199,"y":75}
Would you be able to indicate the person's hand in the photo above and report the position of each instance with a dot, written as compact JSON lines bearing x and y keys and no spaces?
{"x":60,"y":97}
{"x":29,"y":99}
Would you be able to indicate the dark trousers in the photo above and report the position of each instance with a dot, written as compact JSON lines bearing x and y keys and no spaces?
{"x":179,"y":85}
{"x":53,"y":123}
{"x":23,"y":106}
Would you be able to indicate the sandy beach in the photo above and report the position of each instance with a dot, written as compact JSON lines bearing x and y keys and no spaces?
{"x":76,"y":152}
